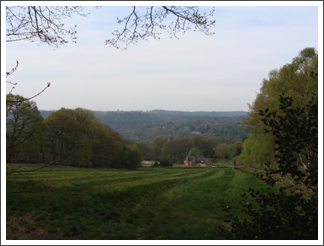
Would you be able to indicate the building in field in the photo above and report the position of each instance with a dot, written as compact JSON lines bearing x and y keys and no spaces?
{"x":197,"y":161}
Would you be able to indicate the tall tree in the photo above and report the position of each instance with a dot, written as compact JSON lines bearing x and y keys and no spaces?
{"x":183,"y":146}
{"x":105,"y":146}
{"x":63,"y":132}
{"x":145,"y":148}
{"x":294,"y":80}
{"x":238,"y":147}
{"x":130,"y":157}
{"x":194,"y":152}
{"x":77,"y":137}
{"x":220,"y":150}
{"x":157,"y":145}
{"x":24,"y":121}
{"x":198,"y":141}
{"x":210,"y":146}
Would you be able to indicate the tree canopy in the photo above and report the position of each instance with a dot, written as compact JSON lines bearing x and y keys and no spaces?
{"x":284,"y":136}
{"x":24,"y":125}
{"x":293,"y":80}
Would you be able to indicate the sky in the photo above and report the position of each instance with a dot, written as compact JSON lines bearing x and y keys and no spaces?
{"x":222,"y":72}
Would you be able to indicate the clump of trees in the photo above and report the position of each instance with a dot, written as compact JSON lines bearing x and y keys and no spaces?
{"x":176,"y":150}
{"x":293,"y":80}
{"x":68,"y":137}
{"x":130,"y":157}
{"x":25,"y":129}
{"x":284,"y":138}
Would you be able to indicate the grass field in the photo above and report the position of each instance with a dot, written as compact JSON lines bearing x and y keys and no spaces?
{"x":149,"y":203}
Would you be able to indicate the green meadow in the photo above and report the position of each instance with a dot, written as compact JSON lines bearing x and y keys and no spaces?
{"x":149,"y":203}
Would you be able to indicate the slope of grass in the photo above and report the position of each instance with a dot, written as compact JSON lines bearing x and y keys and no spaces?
{"x":149,"y":203}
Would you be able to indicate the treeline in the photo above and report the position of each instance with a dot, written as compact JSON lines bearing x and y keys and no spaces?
{"x":178,"y":114}
{"x":79,"y":138}
{"x":145,"y":126}
{"x":66,"y":137}
{"x":226,"y":126}
{"x":176,"y":150}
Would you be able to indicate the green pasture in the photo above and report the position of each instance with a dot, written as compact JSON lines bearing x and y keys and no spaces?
{"x":149,"y":203}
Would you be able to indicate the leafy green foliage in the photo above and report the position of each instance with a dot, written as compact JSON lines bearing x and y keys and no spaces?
{"x":163,"y":163}
{"x":176,"y":150}
{"x":194,"y":152}
{"x":105,"y":146}
{"x":286,"y":215}
{"x":130,"y":157}
{"x":296,"y":133}
{"x":280,"y":216}
{"x":157,"y":146}
{"x":166,"y":163}
{"x":222,"y":150}
{"x":25,"y":129}
{"x":77,"y":138}
{"x":297,"y":80}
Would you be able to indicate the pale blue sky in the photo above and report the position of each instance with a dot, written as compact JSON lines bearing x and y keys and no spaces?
{"x":222,"y":72}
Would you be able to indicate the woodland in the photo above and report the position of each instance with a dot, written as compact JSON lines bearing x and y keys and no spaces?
{"x":79,"y":138}
{"x":279,"y":135}
{"x":145,"y":126}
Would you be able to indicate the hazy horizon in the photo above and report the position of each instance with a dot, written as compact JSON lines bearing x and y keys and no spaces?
{"x":143,"y":110}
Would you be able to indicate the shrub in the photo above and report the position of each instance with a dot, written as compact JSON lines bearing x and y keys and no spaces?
{"x":194,"y":152}
{"x":163,"y":163}
{"x":286,"y":215}
{"x":52,"y":229}
{"x":166,"y":163}
{"x":129,"y":157}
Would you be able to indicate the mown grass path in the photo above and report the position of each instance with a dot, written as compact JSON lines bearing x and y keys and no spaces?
{"x":147,"y":203}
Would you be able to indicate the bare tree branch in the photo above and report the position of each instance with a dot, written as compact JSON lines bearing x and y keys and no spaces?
{"x":185,"y":17}
{"x":11,"y":103}
{"x":40,"y":23}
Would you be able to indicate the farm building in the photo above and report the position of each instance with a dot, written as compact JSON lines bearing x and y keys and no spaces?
{"x":197,"y":161}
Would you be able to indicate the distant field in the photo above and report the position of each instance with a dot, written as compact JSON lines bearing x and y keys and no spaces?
{"x":150,"y":203}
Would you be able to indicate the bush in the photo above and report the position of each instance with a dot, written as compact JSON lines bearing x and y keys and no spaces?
{"x":52,"y":229}
{"x":286,"y":215}
{"x":163,"y":163}
{"x":129,"y":157}
{"x":166,"y":163}
{"x":194,"y":152}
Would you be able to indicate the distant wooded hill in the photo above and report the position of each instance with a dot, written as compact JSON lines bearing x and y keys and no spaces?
{"x":146,"y":125}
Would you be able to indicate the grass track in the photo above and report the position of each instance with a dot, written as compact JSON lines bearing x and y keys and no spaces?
{"x":147,"y":203}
